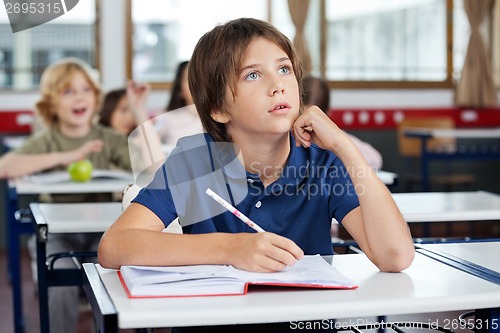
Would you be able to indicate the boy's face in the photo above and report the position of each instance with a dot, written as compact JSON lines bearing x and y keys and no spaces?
{"x":77,"y":103}
{"x":267,"y":94}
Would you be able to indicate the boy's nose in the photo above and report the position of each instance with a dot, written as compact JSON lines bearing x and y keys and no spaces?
{"x":277,"y":87}
{"x":79,"y":94}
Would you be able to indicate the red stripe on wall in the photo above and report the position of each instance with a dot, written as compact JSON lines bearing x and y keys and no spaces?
{"x":15,"y":122}
{"x":19,"y":121}
{"x":373,"y":119}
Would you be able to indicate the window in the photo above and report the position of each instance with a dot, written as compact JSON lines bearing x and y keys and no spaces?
{"x":353,"y":44}
{"x":164,"y":32}
{"x":400,"y":40}
{"x":24,"y":55}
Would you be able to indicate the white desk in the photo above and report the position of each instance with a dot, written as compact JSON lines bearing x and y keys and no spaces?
{"x":448,"y":206}
{"x":65,"y":218}
{"x":75,"y":217}
{"x":387,"y":177}
{"x":484,"y":254}
{"x":413,"y":291}
{"x":15,"y":229}
{"x":25,"y":187}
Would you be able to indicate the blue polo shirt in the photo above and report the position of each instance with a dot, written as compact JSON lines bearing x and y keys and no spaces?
{"x":312,"y":188}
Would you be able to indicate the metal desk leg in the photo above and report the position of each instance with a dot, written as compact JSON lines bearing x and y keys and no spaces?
{"x":104,"y":311}
{"x":43,"y":297}
{"x":424,"y":168}
{"x":15,"y":228}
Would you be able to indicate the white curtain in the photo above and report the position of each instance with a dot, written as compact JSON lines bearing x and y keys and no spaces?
{"x":298,"y":11}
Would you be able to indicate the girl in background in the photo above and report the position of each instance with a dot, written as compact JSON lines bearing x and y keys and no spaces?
{"x":317,"y":92}
{"x":181,"y":96}
{"x":181,"y":118}
{"x":124,"y":109}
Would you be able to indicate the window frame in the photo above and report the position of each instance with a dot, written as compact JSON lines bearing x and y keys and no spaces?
{"x":97,"y":45}
{"x":129,"y":47}
{"x":341,"y":84}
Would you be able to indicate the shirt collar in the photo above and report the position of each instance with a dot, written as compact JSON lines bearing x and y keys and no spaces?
{"x":296,"y":169}
{"x":295,"y":172}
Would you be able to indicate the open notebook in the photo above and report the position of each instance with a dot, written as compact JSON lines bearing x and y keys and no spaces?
{"x":217,"y":280}
{"x":61,"y":176}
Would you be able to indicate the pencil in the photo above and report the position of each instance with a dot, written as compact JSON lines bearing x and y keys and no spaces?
{"x":233,"y":210}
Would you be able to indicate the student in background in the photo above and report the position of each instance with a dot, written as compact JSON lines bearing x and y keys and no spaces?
{"x":180,"y":94}
{"x":181,"y":118}
{"x":250,"y":95}
{"x":68,"y":104}
{"x":116,"y":113}
{"x":124,"y":109}
{"x":317,"y":92}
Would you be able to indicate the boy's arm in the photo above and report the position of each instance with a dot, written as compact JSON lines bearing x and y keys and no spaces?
{"x":15,"y":164}
{"x":136,"y":238}
{"x":377,"y":224}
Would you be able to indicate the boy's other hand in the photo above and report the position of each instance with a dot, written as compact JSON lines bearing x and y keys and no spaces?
{"x":263,"y":252}
{"x":314,"y":126}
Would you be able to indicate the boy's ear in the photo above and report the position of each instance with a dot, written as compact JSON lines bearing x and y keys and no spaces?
{"x":220,"y":117}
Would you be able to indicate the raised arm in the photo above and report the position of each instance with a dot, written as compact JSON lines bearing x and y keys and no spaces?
{"x":377,"y":224}
{"x":147,"y":148}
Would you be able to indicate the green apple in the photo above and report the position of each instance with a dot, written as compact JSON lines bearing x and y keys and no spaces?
{"x":80,"y":171}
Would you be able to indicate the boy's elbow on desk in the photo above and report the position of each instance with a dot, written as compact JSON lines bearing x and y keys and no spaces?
{"x":396,"y":261}
{"x":102,"y":258}
{"x":105,"y":256}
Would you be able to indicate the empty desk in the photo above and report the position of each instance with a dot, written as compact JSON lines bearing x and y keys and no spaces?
{"x":65,"y":218}
{"x":22,"y":186}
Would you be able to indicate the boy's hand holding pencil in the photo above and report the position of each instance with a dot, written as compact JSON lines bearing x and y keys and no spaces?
{"x":264,"y":252}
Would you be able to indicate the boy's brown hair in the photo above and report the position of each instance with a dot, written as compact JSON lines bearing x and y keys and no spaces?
{"x":55,"y":79}
{"x":216,"y":62}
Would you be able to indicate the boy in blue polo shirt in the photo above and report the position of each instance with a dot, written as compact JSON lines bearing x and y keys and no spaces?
{"x":290,"y":170}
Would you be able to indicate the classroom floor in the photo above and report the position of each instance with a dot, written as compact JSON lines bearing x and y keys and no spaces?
{"x":30,"y":302}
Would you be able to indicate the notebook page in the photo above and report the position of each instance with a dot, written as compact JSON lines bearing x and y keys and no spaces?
{"x":312,"y":269}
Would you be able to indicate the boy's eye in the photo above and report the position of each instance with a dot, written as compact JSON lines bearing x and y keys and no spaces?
{"x":285,"y":69}
{"x":66,"y":91}
{"x":252,"y":76}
